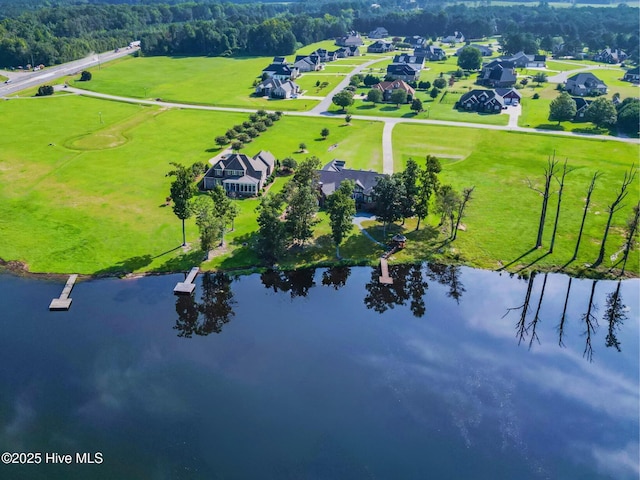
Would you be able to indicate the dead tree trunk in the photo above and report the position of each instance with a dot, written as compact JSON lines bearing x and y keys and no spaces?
{"x":466,"y":196}
{"x":536,"y":317}
{"x":614,"y":207}
{"x":591,"y":324}
{"x":614,"y":315}
{"x":548,"y":174}
{"x":564,"y":315}
{"x":632,"y":228}
{"x":555,"y":223}
{"x":521,"y":327}
{"x":584,"y":214}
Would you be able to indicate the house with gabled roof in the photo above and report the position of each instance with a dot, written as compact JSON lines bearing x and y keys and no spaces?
{"x":416,"y":41}
{"x":239,"y":174}
{"x":280,"y":71}
{"x":581,"y":108}
{"x":279,"y":60}
{"x":352,"y":38}
{"x":585,"y":84}
{"x":354,"y":51}
{"x":523,"y":60}
{"x":485,"y":101}
{"x":334,"y":173}
{"x":379,"y":32}
{"x":484,"y":50}
{"x":609,"y":55}
{"x":457,"y":37}
{"x":403,"y":71}
{"x":307,"y":63}
{"x":380,"y":46}
{"x":387,"y":89}
{"x":275,"y":88}
{"x":497,"y":73}
{"x":413,"y":60}
{"x":431,"y":53}
{"x":632,"y":75}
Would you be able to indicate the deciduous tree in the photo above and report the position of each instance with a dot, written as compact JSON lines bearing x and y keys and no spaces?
{"x":470,"y":58}
{"x":341,"y":208}
{"x":182,"y":190}
{"x":562,"y":108}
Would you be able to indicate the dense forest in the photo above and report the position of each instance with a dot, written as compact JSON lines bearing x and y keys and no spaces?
{"x":56,"y":34}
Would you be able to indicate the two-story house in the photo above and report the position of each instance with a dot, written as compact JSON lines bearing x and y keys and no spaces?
{"x":239,"y":174}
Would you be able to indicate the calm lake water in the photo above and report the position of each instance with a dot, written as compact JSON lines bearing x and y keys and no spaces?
{"x":324,"y":374}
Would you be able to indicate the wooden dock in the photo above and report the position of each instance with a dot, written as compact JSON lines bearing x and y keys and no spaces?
{"x":384,"y":269}
{"x":64,"y":302}
{"x":187,"y":286}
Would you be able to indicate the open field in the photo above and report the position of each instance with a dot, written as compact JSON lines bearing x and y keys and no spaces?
{"x":503,"y":217}
{"x":308,"y":82}
{"x":216,"y":81}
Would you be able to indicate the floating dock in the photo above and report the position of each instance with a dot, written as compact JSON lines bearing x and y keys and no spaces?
{"x":384,"y":269}
{"x":187,"y":286}
{"x":64,"y":302}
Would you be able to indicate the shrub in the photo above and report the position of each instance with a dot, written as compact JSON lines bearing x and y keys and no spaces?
{"x":536,"y":96}
{"x":44,"y":90}
{"x":85,"y":76}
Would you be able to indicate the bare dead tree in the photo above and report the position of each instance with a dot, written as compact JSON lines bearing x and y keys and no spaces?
{"x":555,"y":223}
{"x":615,"y":314}
{"x":521,"y":326}
{"x":466,"y":196}
{"x":584,"y":214}
{"x":564,"y":315}
{"x":536,"y":318}
{"x":591,"y":324}
{"x":632,"y":230}
{"x":615,"y":206}
{"x":548,"y":174}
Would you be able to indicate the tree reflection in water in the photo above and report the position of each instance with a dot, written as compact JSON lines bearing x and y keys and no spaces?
{"x":296,"y":282}
{"x":408,"y":284}
{"x":213,"y":310}
{"x":615,"y":314}
{"x":336,"y":277}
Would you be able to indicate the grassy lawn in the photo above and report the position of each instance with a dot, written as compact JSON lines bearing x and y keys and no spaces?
{"x":503,"y":216}
{"x":308,"y":82}
{"x":202,"y":80}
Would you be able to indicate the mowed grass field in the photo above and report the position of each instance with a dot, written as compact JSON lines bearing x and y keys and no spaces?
{"x":219,"y":81}
{"x":503,"y":217}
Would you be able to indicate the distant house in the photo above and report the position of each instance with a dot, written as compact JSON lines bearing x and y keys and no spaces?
{"x":275,"y":88}
{"x":585,"y":84}
{"x":431,"y":53}
{"x":497,"y":73}
{"x":387,"y":89}
{"x":325,"y":55}
{"x":416,"y":41}
{"x":413,"y":60}
{"x":632,"y":75}
{"x":485,"y":51}
{"x":380,"y":46}
{"x":307,"y":63}
{"x":457,"y":37}
{"x":379,"y":32}
{"x":354,"y":51}
{"x":279,"y":60}
{"x":239,"y":174}
{"x":352,"y":39}
{"x":581,"y":107}
{"x":609,"y":55}
{"x":522,"y":60}
{"x":334,"y":173}
{"x":403,"y":71}
{"x":488,"y":101}
{"x":280,"y":71}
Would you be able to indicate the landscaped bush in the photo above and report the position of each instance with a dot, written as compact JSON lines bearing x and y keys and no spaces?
{"x":536,"y":96}
{"x":44,"y":90}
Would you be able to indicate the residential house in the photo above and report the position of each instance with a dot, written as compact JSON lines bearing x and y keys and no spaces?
{"x":325,"y":55}
{"x":275,"y":88}
{"x":280,"y":71}
{"x":353,"y":38}
{"x":585,"y":84}
{"x":457,"y":37}
{"x":342,"y":52}
{"x":413,"y":60}
{"x":403,"y":71}
{"x":354,"y":51}
{"x":497,"y":73}
{"x":522,"y":60}
{"x":379,"y":32}
{"x":431,"y":53}
{"x":239,"y":174}
{"x":387,"y":89}
{"x":632,"y":75}
{"x":609,"y":55}
{"x":488,"y":101}
{"x":380,"y":46}
{"x":307,"y":63}
{"x":279,"y":60}
{"x":484,"y":50}
{"x":334,"y":173}
{"x":416,"y":41}
{"x":581,"y":108}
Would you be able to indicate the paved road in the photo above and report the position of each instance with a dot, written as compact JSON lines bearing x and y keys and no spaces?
{"x":24,"y":80}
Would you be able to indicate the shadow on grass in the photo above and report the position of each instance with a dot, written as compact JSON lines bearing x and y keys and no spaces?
{"x":365,"y":107}
{"x":183,"y":262}
{"x":213,"y":149}
{"x":533,"y":262}
{"x":549,"y":126}
{"x":126,"y":266}
{"x":591,"y":131}
{"x":389,"y":109}
{"x":504,"y":267}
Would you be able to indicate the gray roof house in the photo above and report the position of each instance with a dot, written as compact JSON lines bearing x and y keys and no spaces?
{"x":380,"y":46}
{"x":275,"y":88}
{"x":497,"y":73}
{"x":581,"y":107}
{"x":281,"y":71}
{"x":431,"y":53}
{"x":416,"y":41}
{"x":379,"y":32}
{"x":353,"y":38}
{"x":522,"y":60}
{"x":632,"y":75}
{"x":585,"y":84}
{"x":487,"y":101}
{"x":403,"y":71}
{"x":307,"y":63}
{"x":354,"y":51}
{"x":457,"y":37}
{"x":334,"y":173}
{"x":240,"y":175}
{"x":484,"y":50}
{"x":609,"y":55}
{"x":413,"y":60}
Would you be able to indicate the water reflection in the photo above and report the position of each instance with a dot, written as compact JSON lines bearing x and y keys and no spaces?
{"x":213,"y":310}
{"x":409,"y":285}
{"x":296,"y":282}
{"x":336,"y":277}
{"x":615,"y":315}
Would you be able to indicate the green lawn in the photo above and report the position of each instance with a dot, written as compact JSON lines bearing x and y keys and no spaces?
{"x":503,"y":216}
{"x":216,"y":81}
{"x":308,"y":82}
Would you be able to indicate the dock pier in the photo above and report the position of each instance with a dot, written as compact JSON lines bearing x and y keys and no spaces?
{"x":187,"y":286}
{"x":384,"y":270}
{"x":64,"y":302}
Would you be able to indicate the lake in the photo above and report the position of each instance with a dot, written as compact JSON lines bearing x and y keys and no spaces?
{"x":450,"y":373}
